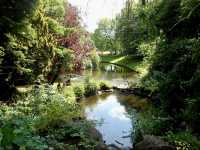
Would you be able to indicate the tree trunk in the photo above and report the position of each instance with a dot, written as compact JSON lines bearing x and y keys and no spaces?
{"x":143,"y":2}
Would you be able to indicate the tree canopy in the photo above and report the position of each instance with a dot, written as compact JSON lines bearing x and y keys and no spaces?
{"x":35,"y":40}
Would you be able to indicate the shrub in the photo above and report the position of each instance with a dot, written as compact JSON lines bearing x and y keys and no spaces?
{"x":56,"y":111}
{"x":28,"y":123}
{"x":17,"y":132}
{"x":90,"y":87}
{"x":104,"y":85}
{"x":183,"y":140}
{"x":95,"y":59}
{"x":68,"y":92}
{"x":150,"y":122}
{"x":77,"y":131}
{"x":78,"y":91}
{"x":147,"y":50}
{"x":87,"y":63}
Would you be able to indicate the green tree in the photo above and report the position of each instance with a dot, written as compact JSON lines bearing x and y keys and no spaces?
{"x":176,"y":61}
{"x":104,"y":36}
{"x":28,"y":44}
{"x":135,"y":24}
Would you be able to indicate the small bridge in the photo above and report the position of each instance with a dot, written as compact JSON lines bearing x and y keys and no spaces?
{"x":119,"y":65}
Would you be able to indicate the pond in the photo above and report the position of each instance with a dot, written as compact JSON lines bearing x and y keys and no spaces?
{"x":117,"y":76}
{"x":112,"y":110}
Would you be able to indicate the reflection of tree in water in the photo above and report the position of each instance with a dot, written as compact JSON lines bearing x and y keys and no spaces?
{"x":104,"y":96}
{"x":132,"y":101}
{"x":90,"y":101}
{"x":93,"y":100}
{"x":114,"y":68}
{"x":132,"y":104}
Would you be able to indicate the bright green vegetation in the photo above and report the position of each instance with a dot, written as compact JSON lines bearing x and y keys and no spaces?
{"x":104,"y":38}
{"x":90,"y":87}
{"x":42,"y":119}
{"x":104,"y":85}
{"x":130,"y":62}
{"x":87,"y":88}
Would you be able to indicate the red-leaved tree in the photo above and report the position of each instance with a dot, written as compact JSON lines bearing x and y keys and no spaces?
{"x":79,"y":40}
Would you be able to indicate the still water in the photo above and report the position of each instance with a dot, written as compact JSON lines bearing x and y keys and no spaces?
{"x":115,"y":124}
{"x":112,"y":110}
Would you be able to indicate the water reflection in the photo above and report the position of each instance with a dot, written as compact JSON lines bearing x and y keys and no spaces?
{"x":113,"y":110}
{"x":119,"y":79}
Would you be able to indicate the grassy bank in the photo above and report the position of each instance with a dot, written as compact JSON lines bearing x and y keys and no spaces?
{"x":132,"y":62}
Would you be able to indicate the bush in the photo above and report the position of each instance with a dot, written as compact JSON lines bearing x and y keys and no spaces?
{"x":17,"y":133}
{"x":92,"y":62}
{"x":42,"y":109}
{"x":191,"y":113}
{"x":104,"y":85}
{"x":147,"y":50}
{"x":76,"y":132}
{"x":150,"y":122}
{"x":183,"y":140}
{"x":68,"y":92}
{"x":95,"y":59}
{"x":90,"y":87}
{"x":78,"y":91}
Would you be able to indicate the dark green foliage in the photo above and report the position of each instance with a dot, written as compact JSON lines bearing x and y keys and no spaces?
{"x":176,"y":59}
{"x":17,"y":133}
{"x":183,"y":140}
{"x":27,"y":44}
{"x":179,"y":18}
{"x":179,"y":68}
{"x":71,"y":136}
{"x":151,"y":122}
{"x":191,"y":113}
{"x":167,"y":33}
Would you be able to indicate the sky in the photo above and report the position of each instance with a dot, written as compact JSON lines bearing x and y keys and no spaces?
{"x":93,"y":10}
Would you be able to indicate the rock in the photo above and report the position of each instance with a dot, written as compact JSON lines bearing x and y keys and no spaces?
{"x":107,"y":91}
{"x":113,"y":147}
{"x":136,"y":91}
{"x":101,"y":146}
{"x":95,"y":134}
{"x":151,"y":142}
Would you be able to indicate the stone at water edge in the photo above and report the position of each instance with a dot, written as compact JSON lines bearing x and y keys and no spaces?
{"x":151,"y":142}
{"x":97,"y":136}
